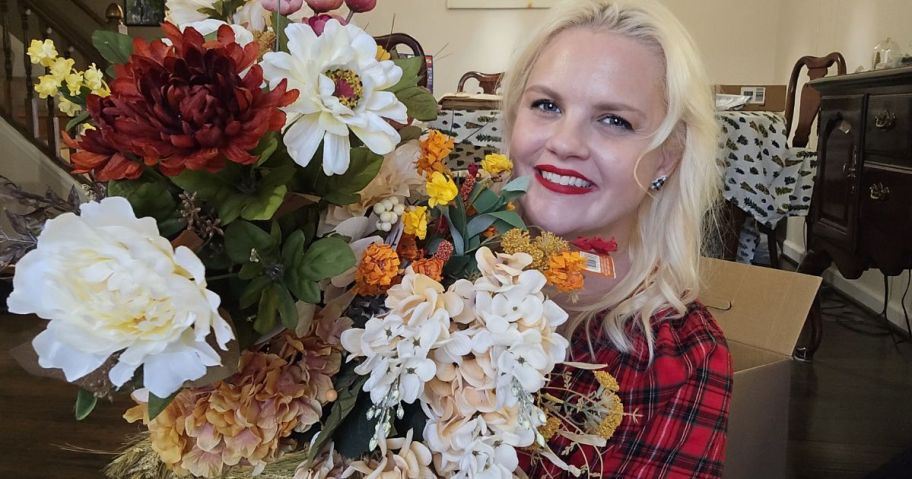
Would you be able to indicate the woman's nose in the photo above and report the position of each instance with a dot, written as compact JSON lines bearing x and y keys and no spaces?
{"x":567,"y":139}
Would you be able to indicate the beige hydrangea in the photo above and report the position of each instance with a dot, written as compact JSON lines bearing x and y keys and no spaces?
{"x":248,"y":418}
{"x":411,"y":460}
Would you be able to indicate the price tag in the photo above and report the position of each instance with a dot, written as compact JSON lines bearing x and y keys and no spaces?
{"x":599,"y":264}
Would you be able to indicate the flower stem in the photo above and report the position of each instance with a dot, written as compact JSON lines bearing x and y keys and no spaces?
{"x":221,"y":276}
{"x":351,"y":14}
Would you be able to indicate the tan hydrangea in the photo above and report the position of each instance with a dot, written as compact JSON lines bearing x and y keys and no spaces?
{"x":248,"y":418}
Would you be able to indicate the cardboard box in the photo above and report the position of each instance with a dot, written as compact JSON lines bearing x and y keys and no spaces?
{"x":761,"y":311}
{"x":772,"y":100}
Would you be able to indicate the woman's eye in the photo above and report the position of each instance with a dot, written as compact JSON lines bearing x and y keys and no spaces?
{"x":616,"y":121}
{"x":547,"y":106}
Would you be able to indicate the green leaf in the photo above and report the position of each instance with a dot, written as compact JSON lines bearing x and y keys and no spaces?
{"x":280,"y":23}
{"x":250,"y":271}
{"x":325,"y":258}
{"x":85,"y":403}
{"x":515,"y":188}
{"x":114,"y":47}
{"x":269,"y":196}
{"x":362,"y":169}
{"x":76,"y":120}
{"x":456,"y":265}
{"x":458,"y":241}
{"x":510,"y":217}
{"x":307,"y":291}
{"x":487,"y":201}
{"x":458,"y":215}
{"x":342,"y":198}
{"x":226,"y":190}
{"x":409,"y":133}
{"x":157,"y":404}
{"x":266,"y":147}
{"x":171,"y":226}
{"x":410,"y":68}
{"x":148,"y":196}
{"x":266,"y":313}
{"x":286,"y":304}
{"x":253,"y":291}
{"x":241,"y":237}
{"x":348,"y":384}
{"x":293,"y":249}
{"x":479,"y":224}
{"x":517,"y":184}
{"x":419,"y":102}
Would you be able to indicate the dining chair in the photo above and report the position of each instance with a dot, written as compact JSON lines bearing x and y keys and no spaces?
{"x":391,"y":41}
{"x":817,"y":67}
{"x":488,"y":82}
{"x":808,"y":109}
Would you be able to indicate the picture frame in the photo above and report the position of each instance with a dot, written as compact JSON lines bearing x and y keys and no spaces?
{"x":144,"y":13}
{"x":499,"y":4}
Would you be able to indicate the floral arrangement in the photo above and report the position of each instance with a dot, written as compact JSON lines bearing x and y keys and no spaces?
{"x":283,"y":271}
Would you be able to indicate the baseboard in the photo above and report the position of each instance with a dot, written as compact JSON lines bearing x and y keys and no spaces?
{"x":866,"y":295}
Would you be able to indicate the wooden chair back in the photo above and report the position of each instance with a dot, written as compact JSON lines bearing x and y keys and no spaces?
{"x":817,"y":67}
{"x":391,"y":41}
{"x":489,"y":82}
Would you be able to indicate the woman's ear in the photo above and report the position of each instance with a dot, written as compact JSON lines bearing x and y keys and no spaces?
{"x":671,"y":153}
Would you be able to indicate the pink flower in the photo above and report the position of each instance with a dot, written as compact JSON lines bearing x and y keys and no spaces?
{"x":320,"y":6}
{"x":361,"y":6}
{"x":284,"y":7}
{"x":318,"y":22}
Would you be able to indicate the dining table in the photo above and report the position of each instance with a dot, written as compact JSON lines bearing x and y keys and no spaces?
{"x":763,"y":176}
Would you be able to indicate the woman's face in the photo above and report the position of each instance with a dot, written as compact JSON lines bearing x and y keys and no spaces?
{"x":591,"y":104}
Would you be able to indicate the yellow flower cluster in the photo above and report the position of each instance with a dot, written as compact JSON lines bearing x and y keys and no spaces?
{"x":496,"y":164}
{"x":549,"y":428}
{"x":60,"y":73}
{"x":441,"y":189}
{"x":415,"y":221}
{"x":382,"y":54}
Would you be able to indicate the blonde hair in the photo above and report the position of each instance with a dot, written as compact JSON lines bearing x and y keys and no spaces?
{"x":666,"y":245}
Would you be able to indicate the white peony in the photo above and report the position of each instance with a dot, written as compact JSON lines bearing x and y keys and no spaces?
{"x":110,"y":284}
{"x":209,"y":26}
{"x":181,"y":12}
{"x":341,"y":87}
{"x":252,"y":16}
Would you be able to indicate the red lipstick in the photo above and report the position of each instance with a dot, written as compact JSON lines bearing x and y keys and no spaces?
{"x":559,"y":188}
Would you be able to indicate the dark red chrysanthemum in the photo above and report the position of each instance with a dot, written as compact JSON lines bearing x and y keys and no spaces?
{"x":181,"y":106}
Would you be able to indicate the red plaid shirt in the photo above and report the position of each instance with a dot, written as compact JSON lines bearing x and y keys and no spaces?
{"x":682,"y":401}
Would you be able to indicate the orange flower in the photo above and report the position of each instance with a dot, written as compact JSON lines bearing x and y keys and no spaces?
{"x":490,"y":232}
{"x":378,"y":268}
{"x":431,"y":267}
{"x":408,"y":248}
{"x":565,"y":271}
{"x":435,"y":147}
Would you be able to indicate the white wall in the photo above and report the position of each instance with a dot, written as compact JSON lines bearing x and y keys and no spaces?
{"x":737,"y":37}
{"x":817,"y":27}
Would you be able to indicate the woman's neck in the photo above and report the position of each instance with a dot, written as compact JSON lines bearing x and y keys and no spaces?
{"x":597,"y":285}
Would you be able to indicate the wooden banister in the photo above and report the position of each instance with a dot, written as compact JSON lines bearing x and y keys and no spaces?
{"x":70,"y":28}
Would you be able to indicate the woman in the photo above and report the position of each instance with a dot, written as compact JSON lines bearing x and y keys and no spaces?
{"x":610,"y":111}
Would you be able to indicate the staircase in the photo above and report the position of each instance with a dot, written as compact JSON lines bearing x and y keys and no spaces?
{"x":69,"y":23}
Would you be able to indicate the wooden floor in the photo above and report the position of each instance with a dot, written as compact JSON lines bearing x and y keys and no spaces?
{"x":851,"y":409}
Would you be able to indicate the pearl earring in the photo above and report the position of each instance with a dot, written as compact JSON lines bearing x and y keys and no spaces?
{"x":658,"y":183}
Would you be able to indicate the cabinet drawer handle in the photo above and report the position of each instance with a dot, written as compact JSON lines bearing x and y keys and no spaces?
{"x":879,"y":192}
{"x":885,"y":120}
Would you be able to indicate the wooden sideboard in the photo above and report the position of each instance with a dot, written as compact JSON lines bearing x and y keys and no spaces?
{"x":861,"y":211}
